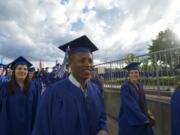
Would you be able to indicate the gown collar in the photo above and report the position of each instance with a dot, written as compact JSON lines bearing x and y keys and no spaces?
{"x":74,"y":81}
{"x":77,"y":84}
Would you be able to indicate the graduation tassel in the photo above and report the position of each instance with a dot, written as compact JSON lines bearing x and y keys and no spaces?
{"x":61,"y":69}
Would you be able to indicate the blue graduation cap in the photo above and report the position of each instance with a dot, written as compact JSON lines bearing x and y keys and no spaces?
{"x":2,"y":66}
{"x":32,"y":69}
{"x":132,"y":66}
{"x":81,"y":44}
{"x":20,"y":61}
{"x":8,"y":65}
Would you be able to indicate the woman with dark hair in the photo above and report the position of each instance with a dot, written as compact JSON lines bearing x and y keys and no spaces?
{"x":134,"y":118}
{"x":17,"y":101}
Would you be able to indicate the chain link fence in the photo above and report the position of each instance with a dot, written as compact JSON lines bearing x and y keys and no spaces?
{"x":156,"y":70}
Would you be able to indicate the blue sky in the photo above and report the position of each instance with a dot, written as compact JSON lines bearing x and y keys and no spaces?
{"x":35,"y":28}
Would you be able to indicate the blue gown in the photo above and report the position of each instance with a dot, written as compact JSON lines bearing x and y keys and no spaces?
{"x":131,"y":118}
{"x":3,"y":79}
{"x":65,"y":110}
{"x":53,"y":78}
{"x":175,"y":113}
{"x":38,"y":88}
{"x":46,"y":78}
{"x":97,"y":81}
{"x":17,"y":112}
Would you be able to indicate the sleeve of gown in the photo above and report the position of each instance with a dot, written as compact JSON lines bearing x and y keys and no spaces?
{"x":103,"y":120}
{"x":35,"y":101}
{"x":42,"y":124}
{"x":131,"y":108}
{"x":0,"y":98}
{"x":175,"y":111}
{"x":3,"y":112}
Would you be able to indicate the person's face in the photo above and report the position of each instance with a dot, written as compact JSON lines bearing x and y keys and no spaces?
{"x":81,"y":64}
{"x":46,"y":69}
{"x":21,"y":72}
{"x":9,"y":72}
{"x":31,"y":74}
{"x":93,"y":74}
{"x":134,"y":75}
{"x":1,"y":71}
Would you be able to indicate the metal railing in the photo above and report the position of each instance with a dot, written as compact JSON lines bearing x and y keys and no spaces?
{"x":156,"y":69}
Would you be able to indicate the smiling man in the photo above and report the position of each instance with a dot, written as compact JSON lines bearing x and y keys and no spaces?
{"x":74,"y":105}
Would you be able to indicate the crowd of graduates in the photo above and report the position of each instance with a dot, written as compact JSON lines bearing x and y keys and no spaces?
{"x":108,"y":75}
{"x":42,"y":103}
{"x":41,"y":76}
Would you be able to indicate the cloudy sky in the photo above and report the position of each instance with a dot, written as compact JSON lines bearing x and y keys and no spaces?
{"x":35,"y":28}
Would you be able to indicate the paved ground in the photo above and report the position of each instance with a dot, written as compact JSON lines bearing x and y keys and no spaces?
{"x":112,"y":124}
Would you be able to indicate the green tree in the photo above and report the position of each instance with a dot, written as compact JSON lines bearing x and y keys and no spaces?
{"x":165,"y":40}
{"x":128,"y":58}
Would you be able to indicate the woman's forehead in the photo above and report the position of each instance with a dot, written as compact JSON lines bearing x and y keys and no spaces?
{"x":22,"y":66}
{"x":135,"y":70}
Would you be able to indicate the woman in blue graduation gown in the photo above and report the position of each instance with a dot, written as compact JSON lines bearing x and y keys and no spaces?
{"x":134,"y":118}
{"x":175,"y":111}
{"x":17,"y":101}
{"x":73,"y":106}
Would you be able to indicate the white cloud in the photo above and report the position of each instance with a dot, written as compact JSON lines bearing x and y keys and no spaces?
{"x":35,"y":28}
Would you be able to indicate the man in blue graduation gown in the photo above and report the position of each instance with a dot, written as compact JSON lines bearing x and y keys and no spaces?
{"x":73,"y":106}
{"x":52,"y":74}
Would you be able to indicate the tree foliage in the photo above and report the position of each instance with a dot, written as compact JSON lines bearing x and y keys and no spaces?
{"x":130,"y":57}
{"x":166,"y":40}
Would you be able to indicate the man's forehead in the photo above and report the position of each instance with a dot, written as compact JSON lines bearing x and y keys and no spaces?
{"x":83,"y":54}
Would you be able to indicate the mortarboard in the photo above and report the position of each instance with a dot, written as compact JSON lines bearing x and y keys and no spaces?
{"x":2,"y":66}
{"x":9,"y":65}
{"x":20,"y":61}
{"x":32,"y":69}
{"x":132,"y":66}
{"x":81,"y":44}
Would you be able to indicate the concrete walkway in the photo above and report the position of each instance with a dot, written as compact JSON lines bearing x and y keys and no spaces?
{"x":113,"y":126}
